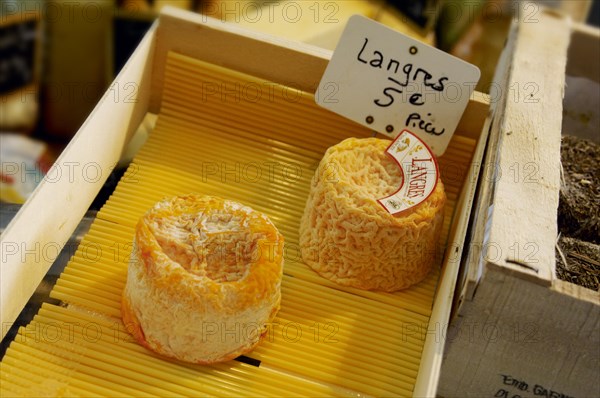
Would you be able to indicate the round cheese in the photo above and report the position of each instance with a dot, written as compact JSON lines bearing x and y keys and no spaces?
{"x":204,"y":280}
{"x":348,"y":237}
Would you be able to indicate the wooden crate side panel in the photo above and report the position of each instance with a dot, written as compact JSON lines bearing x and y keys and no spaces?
{"x":281,"y":60}
{"x":522,"y":333}
{"x":523,"y":226}
{"x":472,"y":260}
{"x":476,"y":113}
{"x":35,"y":236}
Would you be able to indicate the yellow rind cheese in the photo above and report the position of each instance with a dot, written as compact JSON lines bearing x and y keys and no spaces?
{"x":204,"y":280}
{"x":347,"y":237}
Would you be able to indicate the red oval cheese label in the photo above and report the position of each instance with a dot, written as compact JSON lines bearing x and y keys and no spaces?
{"x":419,"y":171}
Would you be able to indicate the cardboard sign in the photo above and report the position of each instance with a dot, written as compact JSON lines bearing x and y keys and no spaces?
{"x":389,"y":82}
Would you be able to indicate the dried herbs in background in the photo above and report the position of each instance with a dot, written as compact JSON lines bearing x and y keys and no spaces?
{"x":578,"y":253}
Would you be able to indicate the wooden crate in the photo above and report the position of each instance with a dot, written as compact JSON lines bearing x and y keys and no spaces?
{"x":55,"y":208}
{"x":520,"y":331}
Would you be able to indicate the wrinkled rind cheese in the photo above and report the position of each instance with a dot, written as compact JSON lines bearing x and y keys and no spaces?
{"x":348,"y":237}
{"x":204,"y":279}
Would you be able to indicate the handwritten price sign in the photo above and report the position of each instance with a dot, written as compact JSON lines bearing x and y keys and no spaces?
{"x":390,"y":82}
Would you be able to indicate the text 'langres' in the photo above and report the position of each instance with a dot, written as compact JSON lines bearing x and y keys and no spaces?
{"x":407,"y":74}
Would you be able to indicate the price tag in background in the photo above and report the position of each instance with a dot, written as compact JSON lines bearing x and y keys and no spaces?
{"x":389,"y":82}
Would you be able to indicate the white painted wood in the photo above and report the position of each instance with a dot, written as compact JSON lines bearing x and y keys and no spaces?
{"x":523,"y":226}
{"x":33,"y":239}
{"x":472,"y":262}
{"x":281,"y":60}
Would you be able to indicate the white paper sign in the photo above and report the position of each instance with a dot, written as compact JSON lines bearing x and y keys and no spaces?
{"x":388,"y":82}
{"x":419,"y":171}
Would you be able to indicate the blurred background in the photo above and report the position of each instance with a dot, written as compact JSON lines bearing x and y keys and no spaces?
{"x":58,"y":57}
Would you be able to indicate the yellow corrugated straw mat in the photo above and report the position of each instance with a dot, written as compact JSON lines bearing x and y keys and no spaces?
{"x":224,"y":133}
